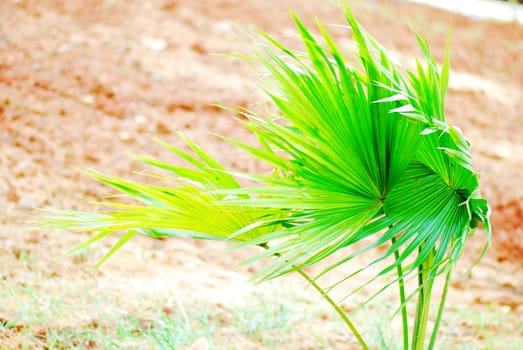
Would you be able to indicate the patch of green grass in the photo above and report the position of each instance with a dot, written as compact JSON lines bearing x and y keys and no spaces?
{"x":57,"y":314}
{"x":492,"y":327}
{"x":62,"y":315}
{"x":267,"y":321}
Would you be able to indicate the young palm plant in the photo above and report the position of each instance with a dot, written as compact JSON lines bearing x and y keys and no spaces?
{"x":361,"y":153}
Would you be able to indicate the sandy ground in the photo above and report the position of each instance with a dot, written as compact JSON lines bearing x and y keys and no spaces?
{"x":82,"y":85}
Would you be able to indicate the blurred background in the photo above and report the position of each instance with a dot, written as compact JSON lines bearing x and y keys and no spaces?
{"x":84,"y":83}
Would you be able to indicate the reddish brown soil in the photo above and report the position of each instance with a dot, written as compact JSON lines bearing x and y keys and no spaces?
{"x":82,"y":84}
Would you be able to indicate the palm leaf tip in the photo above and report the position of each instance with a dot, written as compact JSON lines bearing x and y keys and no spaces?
{"x":356,"y":150}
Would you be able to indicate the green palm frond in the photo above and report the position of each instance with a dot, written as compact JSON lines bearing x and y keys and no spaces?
{"x":369,"y":148}
{"x":359,"y":151}
{"x":190,"y":208}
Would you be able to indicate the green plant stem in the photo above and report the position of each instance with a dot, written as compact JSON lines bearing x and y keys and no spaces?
{"x":440,"y":310}
{"x":401,"y":285}
{"x":336,"y":307}
{"x":425,"y":283}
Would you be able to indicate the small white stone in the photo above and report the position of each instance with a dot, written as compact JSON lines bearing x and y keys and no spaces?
{"x":87,"y":99}
{"x":140,"y":119}
{"x":63,"y":48}
{"x":125,"y":136}
{"x":200,"y":344}
{"x":224,"y":27}
{"x":155,"y":44}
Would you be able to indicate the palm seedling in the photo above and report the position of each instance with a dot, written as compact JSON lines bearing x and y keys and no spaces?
{"x":361,"y":154}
